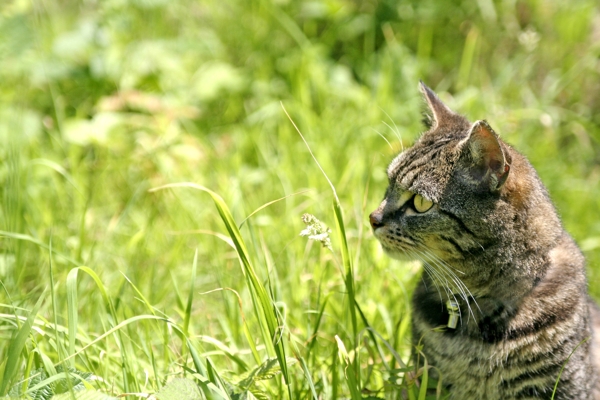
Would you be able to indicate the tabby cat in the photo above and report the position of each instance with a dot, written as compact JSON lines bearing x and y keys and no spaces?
{"x":502,"y":306}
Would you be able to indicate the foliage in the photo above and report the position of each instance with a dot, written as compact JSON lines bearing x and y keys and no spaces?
{"x":40,"y":387}
{"x":102,"y":101}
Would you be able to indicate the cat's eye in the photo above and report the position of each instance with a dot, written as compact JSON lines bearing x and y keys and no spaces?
{"x":422,"y":204}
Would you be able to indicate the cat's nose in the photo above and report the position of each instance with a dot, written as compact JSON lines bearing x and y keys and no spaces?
{"x":376,"y":219}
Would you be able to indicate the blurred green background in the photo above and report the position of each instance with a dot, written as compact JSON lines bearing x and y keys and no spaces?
{"x":101,"y":101}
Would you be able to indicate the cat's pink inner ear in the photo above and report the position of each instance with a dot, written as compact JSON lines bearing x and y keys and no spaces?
{"x":440,"y":112}
{"x":487,"y":152}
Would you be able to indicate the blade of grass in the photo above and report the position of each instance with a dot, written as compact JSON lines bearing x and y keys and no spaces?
{"x":260,"y":297}
{"x":214,"y":377}
{"x":27,"y":238}
{"x":563,"y":366}
{"x":424,"y":380}
{"x":139,"y":293}
{"x":126,"y":365}
{"x":58,"y":168}
{"x":371,"y":334}
{"x":334,"y":373}
{"x":346,"y":260}
{"x":313,"y":337}
{"x":46,"y":362}
{"x":188,"y":308}
{"x":27,"y":371}
{"x":350,"y":377}
{"x":349,"y":277}
{"x":114,"y":329}
{"x":267,"y":205}
{"x":72,"y":308}
{"x":308,"y":378}
{"x":229,"y":242}
{"x":224,"y":349}
{"x":304,"y":369}
{"x":466,"y":62}
{"x":200,"y":368}
{"x":16,"y":347}
{"x":59,"y":343}
{"x":244,"y":323}
{"x":53,"y":300}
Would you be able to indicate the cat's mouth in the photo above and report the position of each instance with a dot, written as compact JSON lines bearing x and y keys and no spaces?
{"x":392,"y":239}
{"x":394,"y":246}
{"x":403,"y":248}
{"x":443,"y":275}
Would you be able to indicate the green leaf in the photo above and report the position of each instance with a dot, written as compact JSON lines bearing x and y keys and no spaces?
{"x":43,"y":383}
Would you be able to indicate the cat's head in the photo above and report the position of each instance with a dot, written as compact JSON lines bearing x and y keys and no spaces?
{"x":459,"y":194}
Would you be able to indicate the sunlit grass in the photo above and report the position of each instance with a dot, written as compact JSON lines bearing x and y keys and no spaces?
{"x":102,"y":102}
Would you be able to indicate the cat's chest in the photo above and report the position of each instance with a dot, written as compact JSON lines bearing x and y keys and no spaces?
{"x":471,"y":368}
{"x":475,"y":359}
{"x":461,"y":334}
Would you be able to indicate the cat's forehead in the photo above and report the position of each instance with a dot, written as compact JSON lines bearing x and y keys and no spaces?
{"x":426,"y":167}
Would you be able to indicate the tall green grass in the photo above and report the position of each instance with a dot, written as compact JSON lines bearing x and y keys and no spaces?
{"x":110,"y":286}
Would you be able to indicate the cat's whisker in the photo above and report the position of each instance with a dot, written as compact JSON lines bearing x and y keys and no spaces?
{"x":430,"y":271}
{"x":439,"y":277}
{"x":397,"y":134}
{"x":384,"y":138}
{"x":396,"y":131}
{"x":464,"y":290}
{"x":479,"y":244}
{"x":433,"y":274}
{"x":427,"y":270}
{"x":448,"y":267}
{"x":458,"y":285}
{"x":452,"y":267}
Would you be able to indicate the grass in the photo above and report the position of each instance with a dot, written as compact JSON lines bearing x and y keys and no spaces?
{"x":123,"y":288}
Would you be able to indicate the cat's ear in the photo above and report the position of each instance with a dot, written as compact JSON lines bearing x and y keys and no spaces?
{"x":489,"y":162}
{"x":439,"y":112}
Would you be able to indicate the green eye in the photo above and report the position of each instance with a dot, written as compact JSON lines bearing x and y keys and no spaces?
{"x":421,"y":203}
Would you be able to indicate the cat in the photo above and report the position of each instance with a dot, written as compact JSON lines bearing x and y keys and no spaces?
{"x":503,"y":282}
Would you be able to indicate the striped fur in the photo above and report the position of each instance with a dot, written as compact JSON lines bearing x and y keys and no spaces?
{"x":493,"y":243}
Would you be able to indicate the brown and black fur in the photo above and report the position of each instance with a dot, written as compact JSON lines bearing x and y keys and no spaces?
{"x":493,"y":243}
